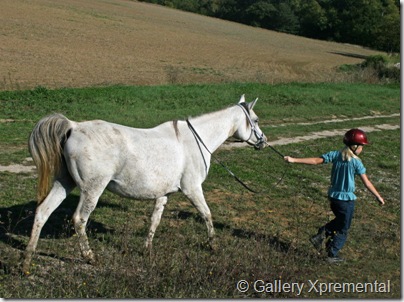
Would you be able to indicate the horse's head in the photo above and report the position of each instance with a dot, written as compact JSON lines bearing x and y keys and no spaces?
{"x":250,"y":132}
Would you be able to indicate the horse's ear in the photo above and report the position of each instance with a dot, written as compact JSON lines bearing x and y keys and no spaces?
{"x":252,"y":104}
{"x":242,"y":99}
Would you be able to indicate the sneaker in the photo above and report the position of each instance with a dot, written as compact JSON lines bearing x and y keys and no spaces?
{"x":335,"y":260}
{"x":317,"y":241}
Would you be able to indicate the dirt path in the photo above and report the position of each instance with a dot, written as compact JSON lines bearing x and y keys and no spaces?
{"x":329,"y":133}
{"x":17,"y":168}
{"x":314,"y":135}
{"x":325,"y":133}
{"x":24,"y":168}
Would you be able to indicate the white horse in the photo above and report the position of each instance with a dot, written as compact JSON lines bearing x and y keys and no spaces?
{"x":135,"y":163}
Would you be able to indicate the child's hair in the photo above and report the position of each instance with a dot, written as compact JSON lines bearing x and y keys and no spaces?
{"x":347,"y":153}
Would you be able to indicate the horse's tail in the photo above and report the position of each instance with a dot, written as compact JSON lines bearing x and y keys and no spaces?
{"x":45,"y":145}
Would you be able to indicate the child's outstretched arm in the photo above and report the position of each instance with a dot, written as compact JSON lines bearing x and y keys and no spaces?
{"x":371,"y":188}
{"x":306,"y":160}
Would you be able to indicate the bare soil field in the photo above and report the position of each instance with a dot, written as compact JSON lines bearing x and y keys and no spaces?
{"x":76,"y":43}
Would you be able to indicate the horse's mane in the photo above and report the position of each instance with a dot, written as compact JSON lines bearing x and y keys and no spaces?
{"x":219,"y":112}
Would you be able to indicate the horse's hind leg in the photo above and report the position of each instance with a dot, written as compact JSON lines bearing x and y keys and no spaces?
{"x":87,"y":204}
{"x":61,"y":188}
{"x":155,"y":219}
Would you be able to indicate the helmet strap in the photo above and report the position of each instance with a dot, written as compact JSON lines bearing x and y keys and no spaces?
{"x":356,"y":148}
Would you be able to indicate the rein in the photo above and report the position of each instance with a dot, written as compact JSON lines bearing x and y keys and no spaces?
{"x":199,"y":139}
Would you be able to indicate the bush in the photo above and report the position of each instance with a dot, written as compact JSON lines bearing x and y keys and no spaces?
{"x":375,"y":62}
{"x":377,"y":67}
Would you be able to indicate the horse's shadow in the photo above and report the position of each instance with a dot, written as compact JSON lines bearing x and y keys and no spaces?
{"x":17,"y":221}
{"x":273,"y":241}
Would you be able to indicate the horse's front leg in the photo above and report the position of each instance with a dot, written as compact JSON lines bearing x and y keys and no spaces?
{"x":198,"y":200}
{"x":155,"y":220}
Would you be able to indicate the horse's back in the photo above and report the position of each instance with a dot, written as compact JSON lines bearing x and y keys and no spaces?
{"x":95,"y":141}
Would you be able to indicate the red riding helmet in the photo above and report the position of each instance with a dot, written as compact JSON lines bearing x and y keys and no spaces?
{"x":355,"y":137}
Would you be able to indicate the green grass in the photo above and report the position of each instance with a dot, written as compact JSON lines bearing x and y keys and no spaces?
{"x":259,"y":236}
{"x":148,"y":106}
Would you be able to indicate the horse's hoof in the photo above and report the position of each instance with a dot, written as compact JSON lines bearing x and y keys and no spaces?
{"x":92,"y":260}
{"x":89,"y":257}
{"x":212,"y":245}
{"x":25,"y":269}
{"x":148,"y":251}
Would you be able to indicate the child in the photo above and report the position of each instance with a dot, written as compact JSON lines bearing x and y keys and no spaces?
{"x":346,"y":164}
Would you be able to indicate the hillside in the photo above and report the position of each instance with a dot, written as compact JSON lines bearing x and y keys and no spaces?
{"x":78,"y":43}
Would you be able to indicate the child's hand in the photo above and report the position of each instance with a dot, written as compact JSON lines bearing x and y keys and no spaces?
{"x":380,"y":200}
{"x":288,"y":159}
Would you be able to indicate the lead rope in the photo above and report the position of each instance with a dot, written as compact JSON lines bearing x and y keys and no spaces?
{"x":198,"y":138}
{"x":260,"y":138}
{"x":281,"y":155}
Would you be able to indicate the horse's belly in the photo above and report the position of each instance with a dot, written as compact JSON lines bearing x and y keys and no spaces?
{"x":141,"y":190}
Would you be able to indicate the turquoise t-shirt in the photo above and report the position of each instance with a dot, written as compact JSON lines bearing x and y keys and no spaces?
{"x":343,"y":175}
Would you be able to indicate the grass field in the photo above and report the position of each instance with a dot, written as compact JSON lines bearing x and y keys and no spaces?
{"x":260,"y":236}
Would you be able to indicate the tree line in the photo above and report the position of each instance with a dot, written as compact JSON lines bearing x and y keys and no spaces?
{"x":370,"y":23}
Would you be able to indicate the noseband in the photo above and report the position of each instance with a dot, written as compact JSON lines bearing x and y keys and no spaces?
{"x":259,"y":136}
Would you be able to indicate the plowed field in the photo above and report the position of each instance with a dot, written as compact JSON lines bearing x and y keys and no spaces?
{"x":76,"y":43}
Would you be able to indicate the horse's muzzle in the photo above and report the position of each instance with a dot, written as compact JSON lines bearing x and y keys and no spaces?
{"x":259,"y":146}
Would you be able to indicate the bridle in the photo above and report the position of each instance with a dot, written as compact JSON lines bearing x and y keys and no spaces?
{"x":259,"y":136}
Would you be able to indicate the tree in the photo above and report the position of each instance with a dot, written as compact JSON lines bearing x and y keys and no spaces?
{"x":261,"y":14}
{"x":371,"y":23}
{"x":313,"y":19}
{"x":387,"y":31}
{"x":285,"y":19}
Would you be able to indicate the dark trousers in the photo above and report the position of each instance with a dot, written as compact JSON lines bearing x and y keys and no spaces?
{"x":338,"y":228}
